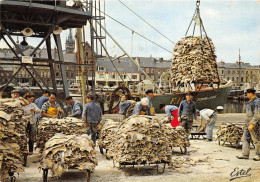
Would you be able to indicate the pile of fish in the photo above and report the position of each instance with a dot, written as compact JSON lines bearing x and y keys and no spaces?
{"x":48,"y":127}
{"x":107,"y":132}
{"x":194,"y":61}
{"x":13,"y":141}
{"x":230,"y":132}
{"x":140,"y":139}
{"x":177,"y":136}
{"x":63,"y":152}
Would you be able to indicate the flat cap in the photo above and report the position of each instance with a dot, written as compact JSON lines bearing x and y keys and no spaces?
{"x":251,"y":90}
{"x":148,"y":91}
{"x":188,"y":93}
{"x":15,"y":91}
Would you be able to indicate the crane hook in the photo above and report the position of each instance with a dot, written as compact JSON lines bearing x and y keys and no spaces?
{"x":198,"y":3}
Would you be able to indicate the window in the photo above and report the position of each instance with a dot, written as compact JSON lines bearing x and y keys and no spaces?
{"x":112,"y":76}
{"x":142,"y":77}
{"x":101,"y":68}
{"x":134,"y":76}
{"x":101,"y":75}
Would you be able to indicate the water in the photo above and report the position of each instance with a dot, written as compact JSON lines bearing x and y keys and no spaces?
{"x":234,"y":106}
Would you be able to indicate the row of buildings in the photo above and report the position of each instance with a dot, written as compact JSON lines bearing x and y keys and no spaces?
{"x":106,"y":74}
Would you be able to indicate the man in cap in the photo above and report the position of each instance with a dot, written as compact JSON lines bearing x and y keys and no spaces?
{"x":92,"y":116}
{"x":170,"y":111}
{"x":252,"y":126}
{"x":15,"y":97}
{"x":142,"y":108}
{"x":76,"y":107}
{"x":149,"y":96}
{"x":211,"y":117}
{"x":187,"y":113}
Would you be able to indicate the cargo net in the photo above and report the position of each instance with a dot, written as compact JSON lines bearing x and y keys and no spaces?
{"x":13,"y":141}
{"x":193,"y":61}
{"x":48,"y":127}
{"x":63,"y":152}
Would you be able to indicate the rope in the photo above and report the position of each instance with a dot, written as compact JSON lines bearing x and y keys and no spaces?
{"x":146,"y":21}
{"x":136,"y":32}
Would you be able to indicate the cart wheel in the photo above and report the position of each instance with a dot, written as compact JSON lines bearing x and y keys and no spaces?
{"x":13,"y":178}
{"x":181,"y":150}
{"x":88,"y":175}
{"x":185,"y":150}
{"x":24,"y":160}
{"x":45,"y":175}
{"x":157,"y":166}
{"x":101,"y":150}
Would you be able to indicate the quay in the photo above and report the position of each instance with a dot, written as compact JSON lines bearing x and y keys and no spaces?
{"x":204,"y":161}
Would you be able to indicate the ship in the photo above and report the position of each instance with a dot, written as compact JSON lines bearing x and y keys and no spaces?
{"x":206,"y":98}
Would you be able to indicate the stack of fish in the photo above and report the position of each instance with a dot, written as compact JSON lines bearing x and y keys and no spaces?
{"x":230,"y":132}
{"x":107,"y":132}
{"x":48,"y":127}
{"x":177,"y":136}
{"x":194,"y":61}
{"x":63,"y":152}
{"x":13,"y":142}
{"x":140,"y":139}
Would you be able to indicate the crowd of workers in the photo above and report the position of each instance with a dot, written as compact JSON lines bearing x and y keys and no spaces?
{"x":185,"y":115}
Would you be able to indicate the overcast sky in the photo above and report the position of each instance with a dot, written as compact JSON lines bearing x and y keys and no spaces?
{"x":230,"y":24}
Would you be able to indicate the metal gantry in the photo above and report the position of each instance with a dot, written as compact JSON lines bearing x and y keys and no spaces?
{"x":39,"y":19}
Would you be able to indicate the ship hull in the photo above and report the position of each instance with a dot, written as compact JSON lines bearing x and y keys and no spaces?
{"x":208,"y":98}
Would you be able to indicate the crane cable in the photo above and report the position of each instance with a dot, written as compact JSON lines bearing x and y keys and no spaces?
{"x":135,"y":32}
{"x":145,"y":21}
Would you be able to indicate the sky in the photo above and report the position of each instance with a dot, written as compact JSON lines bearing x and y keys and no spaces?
{"x":231,"y":24}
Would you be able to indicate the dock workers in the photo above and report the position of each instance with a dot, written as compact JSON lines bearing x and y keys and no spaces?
{"x":123,"y":105}
{"x":149,"y":96}
{"x":252,"y":126}
{"x":142,"y":108}
{"x":92,"y":115}
{"x":76,"y":107}
{"x":187,"y":113}
{"x":211,"y":117}
{"x":170,"y":111}
{"x":51,"y":108}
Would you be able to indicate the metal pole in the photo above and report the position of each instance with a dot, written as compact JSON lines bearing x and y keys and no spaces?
{"x":48,"y":45}
{"x":130,"y":58}
{"x":108,"y":54}
{"x":61,"y":58}
{"x":12,"y":78}
{"x":81,"y":61}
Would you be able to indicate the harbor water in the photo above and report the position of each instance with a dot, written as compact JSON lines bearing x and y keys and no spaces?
{"x":234,"y":106}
